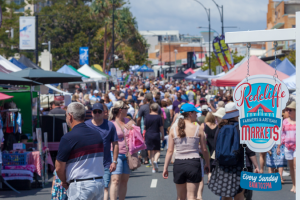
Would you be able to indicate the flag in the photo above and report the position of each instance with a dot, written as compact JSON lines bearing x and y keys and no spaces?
{"x":226,"y":52}
{"x":194,"y":58}
{"x":219,"y":54}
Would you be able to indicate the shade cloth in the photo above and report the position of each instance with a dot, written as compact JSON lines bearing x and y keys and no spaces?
{"x":45,"y":77}
{"x":8,"y":65}
{"x":256,"y":67}
{"x":277,"y":62}
{"x":28,"y":63}
{"x":290,"y":82}
{"x":144,"y":68}
{"x":189,"y":70}
{"x":4,"y":70}
{"x":286,"y":67}
{"x":193,"y":77}
{"x":180,"y":75}
{"x":66,"y":69}
{"x":17,"y":63}
{"x":88,"y":71}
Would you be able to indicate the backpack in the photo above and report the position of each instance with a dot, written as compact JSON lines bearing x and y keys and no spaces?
{"x":228,"y":145}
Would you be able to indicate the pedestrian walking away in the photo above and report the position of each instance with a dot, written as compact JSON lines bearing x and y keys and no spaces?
{"x":79,"y":161}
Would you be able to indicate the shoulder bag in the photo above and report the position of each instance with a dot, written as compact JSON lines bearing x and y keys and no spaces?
{"x":132,"y":159}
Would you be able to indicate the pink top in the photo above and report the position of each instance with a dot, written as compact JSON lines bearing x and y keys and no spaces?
{"x":122,"y":146}
{"x":187,"y":147}
{"x":288,"y":137}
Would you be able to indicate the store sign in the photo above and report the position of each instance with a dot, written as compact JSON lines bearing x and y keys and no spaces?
{"x":27,"y":33}
{"x":183,"y":61}
{"x":260,"y":182}
{"x":260,"y":101}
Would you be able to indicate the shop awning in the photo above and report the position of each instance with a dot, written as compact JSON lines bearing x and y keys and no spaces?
{"x":236,"y":75}
{"x":46,"y":77}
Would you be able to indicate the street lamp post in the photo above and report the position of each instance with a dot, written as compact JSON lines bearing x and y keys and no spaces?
{"x":175,"y":51}
{"x":11,"y":31}
{"x":209,"y":45}
{"x":49,"y":45}
{"x":221,"y":11}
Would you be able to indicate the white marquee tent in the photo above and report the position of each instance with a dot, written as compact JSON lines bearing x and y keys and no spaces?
{"x":88,"y":71}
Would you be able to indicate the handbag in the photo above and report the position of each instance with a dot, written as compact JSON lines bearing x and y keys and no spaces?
{"x":132,"y":159}
{"x":136,"y":142}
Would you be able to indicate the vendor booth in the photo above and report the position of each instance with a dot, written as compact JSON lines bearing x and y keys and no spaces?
{"x":28,"y":63}
{"x":290,"y":82}
{"x":194,"y":76}
{"x":179,"y":76}
{"x":286,"y":67}
{"x":236,"y":75}
{"x":17,"y":63}
{"x":275,"y":63}
{"x":146,"y":71}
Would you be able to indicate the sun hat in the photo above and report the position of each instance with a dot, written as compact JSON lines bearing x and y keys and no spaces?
{"x":292,"y":105}
{"x":220,"y":113}
{"x":230,"y":111}
{"x":112,"y":88}
{"x":188,"y":108}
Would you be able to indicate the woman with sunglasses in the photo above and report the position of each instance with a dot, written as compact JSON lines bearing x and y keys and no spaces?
{"x":288,"y":139}
{"x":119,"y":178}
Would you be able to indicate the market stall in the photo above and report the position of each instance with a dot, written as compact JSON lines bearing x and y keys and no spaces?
{"x":17,"y":63}
{"x":194,"y":76}
{"x":290,"y":82}
{"x":286,"y":67}
{"x":179,"y":76}
{"x":146,"y":71}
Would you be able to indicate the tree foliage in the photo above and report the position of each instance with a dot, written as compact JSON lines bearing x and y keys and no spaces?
{"x":291,"y":56}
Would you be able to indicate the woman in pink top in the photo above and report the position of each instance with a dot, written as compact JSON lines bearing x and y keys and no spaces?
{"x":288,"y":139}
{"x":119,"y":178}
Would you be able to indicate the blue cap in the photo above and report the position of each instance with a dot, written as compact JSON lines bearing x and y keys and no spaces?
{"x":98,"y":106}
{"x":188,"y":108}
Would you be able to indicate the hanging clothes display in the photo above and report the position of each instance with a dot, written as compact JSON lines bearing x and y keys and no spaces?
{"x":19,"y":122}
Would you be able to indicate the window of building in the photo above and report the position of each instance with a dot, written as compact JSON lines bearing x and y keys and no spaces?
{"x":19,"y":2}
{"x":293,"y":26}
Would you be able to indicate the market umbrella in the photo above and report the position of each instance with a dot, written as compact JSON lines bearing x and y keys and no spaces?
{"x":46,"y":77}
{"x":180,"y":75}
{"x":28,"y":63}
{"x":4,"y":96}
{"x":15,"y":80}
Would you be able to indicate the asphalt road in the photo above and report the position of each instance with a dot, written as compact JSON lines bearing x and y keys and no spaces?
{"x":143,"y":185}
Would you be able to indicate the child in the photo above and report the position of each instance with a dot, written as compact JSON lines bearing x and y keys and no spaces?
{"x":58,"y":191}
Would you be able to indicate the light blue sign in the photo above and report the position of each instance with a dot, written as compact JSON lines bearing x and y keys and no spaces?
{"x":83,"y":55}
{"x":260,"y":182}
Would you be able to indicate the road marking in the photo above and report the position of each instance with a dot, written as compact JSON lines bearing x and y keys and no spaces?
{"x":153,"y":183}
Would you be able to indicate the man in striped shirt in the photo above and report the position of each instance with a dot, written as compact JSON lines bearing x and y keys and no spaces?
{"x":79,"y":161}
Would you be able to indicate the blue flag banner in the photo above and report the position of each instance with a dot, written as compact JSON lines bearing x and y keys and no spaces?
{"x":260,"y":182}
{"x":83,"y":55}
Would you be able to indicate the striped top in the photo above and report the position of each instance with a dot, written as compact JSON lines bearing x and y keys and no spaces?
{"x":82,"y":150}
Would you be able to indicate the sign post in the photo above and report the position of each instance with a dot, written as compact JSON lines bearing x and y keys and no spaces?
{"x":271,"y":36}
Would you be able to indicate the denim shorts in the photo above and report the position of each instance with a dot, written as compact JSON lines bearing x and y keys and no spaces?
{"x":106,"y":177}
{"x":122,"y":166}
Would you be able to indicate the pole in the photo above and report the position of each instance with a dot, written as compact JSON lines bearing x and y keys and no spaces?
{"x":49,"y":46}
{"x":175,"y":63}
{"x":36,"y":40}
{"x":113,"y":34}
{"x":222,"y":20}
{"x":209,"y":68}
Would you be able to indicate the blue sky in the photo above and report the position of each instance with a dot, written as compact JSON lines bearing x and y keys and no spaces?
{"x":187,"y":15}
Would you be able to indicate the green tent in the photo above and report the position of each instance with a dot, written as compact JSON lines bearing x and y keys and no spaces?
{"x":102,"y":73}
{"x":22,"y":100}
{"x":78,"y":71}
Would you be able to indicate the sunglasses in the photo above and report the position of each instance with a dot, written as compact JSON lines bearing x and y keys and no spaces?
{"x":289,"y":110}
{"x":97,"y":111}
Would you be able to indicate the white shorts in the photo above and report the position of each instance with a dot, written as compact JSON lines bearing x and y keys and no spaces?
{"x":289,"y":154}
{"x":91,"y":190}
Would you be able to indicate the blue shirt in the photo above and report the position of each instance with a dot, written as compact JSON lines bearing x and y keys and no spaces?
{"x":184,"y":97}
{"x":93,"y":98}
{"x":177,"y":88}
{"x":109,"y":105}
{"x":134,"y":98}
{"x":109,"y":134}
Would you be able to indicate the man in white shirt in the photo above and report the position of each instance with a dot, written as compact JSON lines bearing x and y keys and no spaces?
{"x":131,"y":107}
{"x":111,"y":95}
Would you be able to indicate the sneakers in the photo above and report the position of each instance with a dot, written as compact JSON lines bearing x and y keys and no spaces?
{"x":153,"y":171}
{"x":156,"y":166}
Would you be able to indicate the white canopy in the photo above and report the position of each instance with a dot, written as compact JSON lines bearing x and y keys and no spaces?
{"x":88,"y":71}
{"x":9,"y":65}
{"x":290,"y":82}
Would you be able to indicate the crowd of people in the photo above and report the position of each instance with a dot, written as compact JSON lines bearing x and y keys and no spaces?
{"x":184,"y":118}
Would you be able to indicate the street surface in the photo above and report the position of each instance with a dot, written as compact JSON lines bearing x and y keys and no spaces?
{"x":143,"y":185}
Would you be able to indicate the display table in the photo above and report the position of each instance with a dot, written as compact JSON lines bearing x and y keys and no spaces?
{"x":34,"y":158}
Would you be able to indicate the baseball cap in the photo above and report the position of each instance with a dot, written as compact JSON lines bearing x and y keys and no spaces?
{"x":204,"y":108}
{"x":97,"y":106}
{"x":202,"y":99}
{"x":130,"y":101}
{"x":188,"y":108}
{"x":96,"y":91}
{"x":149,"y":96}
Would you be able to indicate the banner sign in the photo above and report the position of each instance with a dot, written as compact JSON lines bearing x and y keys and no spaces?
{"x":226,"y":52}
{"x":260,"y":182}
{"x":27,"y":33}
{"x":219,"y":54}
{"x":83,"y":55}
{"x":260,"y":101}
